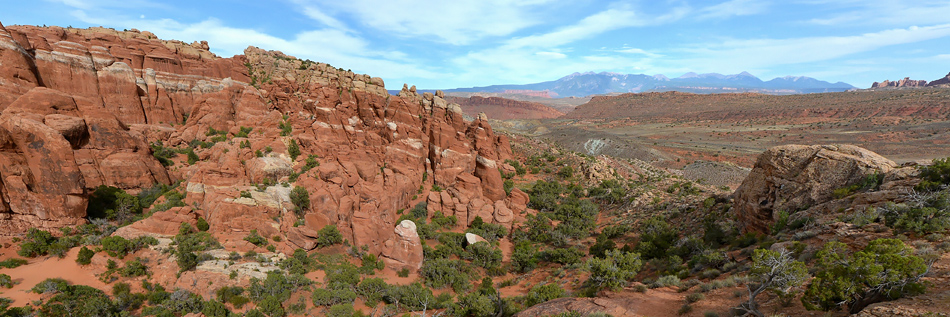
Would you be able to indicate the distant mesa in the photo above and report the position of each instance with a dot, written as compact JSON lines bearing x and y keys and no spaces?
{"x":504,"y":109}
{"x":590,"y":83}
{"x":906,"y":82}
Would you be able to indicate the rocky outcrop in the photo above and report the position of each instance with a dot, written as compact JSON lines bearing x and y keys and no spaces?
{"x":942,"y":82}
{"x":796,"y":177}
{"x":906,"y":82}
{"x":504,"y":109}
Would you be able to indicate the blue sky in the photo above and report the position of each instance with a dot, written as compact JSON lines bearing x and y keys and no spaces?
{"x":450,"y":44}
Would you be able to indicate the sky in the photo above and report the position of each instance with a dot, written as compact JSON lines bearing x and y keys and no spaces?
{"x":438,"y":44}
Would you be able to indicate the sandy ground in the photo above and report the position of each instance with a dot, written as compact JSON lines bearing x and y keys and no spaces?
{"x":41,"y":268}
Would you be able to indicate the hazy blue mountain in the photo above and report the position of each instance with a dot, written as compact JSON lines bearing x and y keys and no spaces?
{"x":590,"y":83}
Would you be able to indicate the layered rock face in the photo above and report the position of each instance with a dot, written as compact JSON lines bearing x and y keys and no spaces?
{"x":67,"y":99}
{"x":80,"y":108}
{"x":796,"y":177}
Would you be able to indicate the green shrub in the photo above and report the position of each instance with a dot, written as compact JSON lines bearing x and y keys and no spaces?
{"x":233,"y":295}
{"x":12,"y":263}
{"x":601,"y":246}
{"x":327,"y":297}
{"x":483,"y":254}
{"x":285,"y":128}
{"x":114,"y":204}
{"x":544,"y":196}
{"x":85,"y":256}
{"x":489,"y":231}
{"x":37,"y":242}
{"x":255,"y":238}
{"x":192,"y":157}
{"x":694,"y":297}
{"x":656,"y":238}
{"x":935,"y":176}
{"x":6,"y":281}
{"x":186,"y":261}
{"x":614,"y":270}
{"x":215,"y":309}
{"x":116,"y":246}
{"x":134,"y":268}
{"x":301,"y":200}
{"x":329,"y":235}
{"x":202,"y":224}
{"x":414,"y":296}
{"x":542,"y":293}
{"x":272,"y":307}
{"x":439,"y":273}
{"x":524,"y":257}
{"x":163,"y":154}
{"x":564,"y":256}
{"x":565,"y":172}
{"x":372,"y":290}
{"x":884,"y":270}
{"x":293,"y":150}
{"x":928,"y":214}
{"x":520,"y":170}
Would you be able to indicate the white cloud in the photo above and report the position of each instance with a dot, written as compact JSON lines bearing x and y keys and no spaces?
{"x":317,"y":14}
{"x":454,"y":22}
{"x":630,"y":50}
{"x":604,"y":21}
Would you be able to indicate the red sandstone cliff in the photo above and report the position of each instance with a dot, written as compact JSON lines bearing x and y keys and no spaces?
{"x":80,"y":107}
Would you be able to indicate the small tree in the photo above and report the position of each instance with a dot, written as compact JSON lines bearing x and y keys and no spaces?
{"x":301,"y":200}
{"x":774,"y":271}
{"x":85,"y":256}
{"x":293,"y":149}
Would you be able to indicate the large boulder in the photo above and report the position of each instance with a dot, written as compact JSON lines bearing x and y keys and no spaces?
{"x":795,"y":177}
{"x":404,"y":250}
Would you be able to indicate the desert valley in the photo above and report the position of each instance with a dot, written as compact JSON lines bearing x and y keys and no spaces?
{"x":142,"y":176}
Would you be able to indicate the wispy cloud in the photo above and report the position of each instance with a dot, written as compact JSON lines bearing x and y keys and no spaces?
{"x":883,"y":12}
{"x":452,"y":22}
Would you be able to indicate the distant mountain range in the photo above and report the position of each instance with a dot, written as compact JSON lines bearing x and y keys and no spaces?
{"x":590,"y":83}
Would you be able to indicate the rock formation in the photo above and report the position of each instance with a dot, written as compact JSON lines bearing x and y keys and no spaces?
{"x":796,"y":177}
{"x":80,"y":108}
{"x":906,"y":82}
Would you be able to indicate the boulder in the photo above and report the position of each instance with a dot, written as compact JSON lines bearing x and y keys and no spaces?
{"x":404,"y":250}
{"x":796,"y":177}
{"x":471,"y":238}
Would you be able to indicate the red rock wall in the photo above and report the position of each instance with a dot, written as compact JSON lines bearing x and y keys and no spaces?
{"x":79,"y":108}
